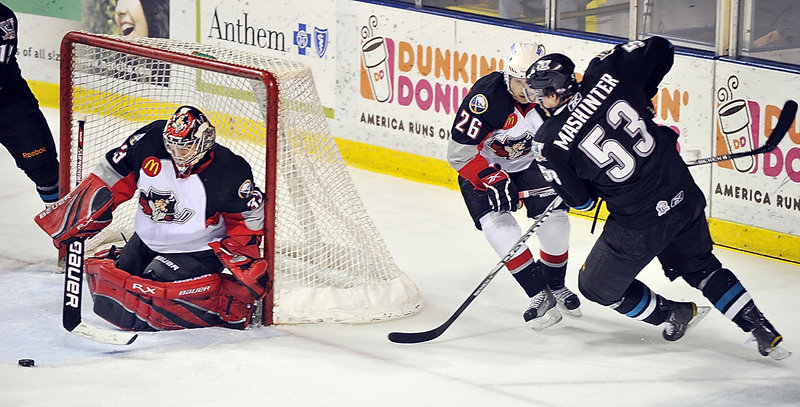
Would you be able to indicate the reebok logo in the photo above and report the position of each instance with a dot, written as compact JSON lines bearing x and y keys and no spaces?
{"x":34,"y":153}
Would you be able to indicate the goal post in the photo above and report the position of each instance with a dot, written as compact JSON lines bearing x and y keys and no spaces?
{"x":328,"y":262}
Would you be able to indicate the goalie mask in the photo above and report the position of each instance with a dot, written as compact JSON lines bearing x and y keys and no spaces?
{"x":553,"y":74}
{"x":520,"y":58}
{"x":188,"y":136}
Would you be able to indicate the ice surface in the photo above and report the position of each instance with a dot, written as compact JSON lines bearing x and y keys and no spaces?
{"x":487,"y":357}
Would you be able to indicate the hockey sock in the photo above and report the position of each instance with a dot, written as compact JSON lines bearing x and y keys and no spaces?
{"x":554,"y":269}
{"x":49,"y":194}
{"x":640,"y":303}
{"x":528,"y":276}
{"x":726,"y":292}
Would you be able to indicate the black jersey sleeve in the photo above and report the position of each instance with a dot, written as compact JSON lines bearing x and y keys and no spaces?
{"x":8,"y":43}
{"x":556,"y":170}
{"x":127,"y":158}
{"x":232,"y":193}
{"x":483,"y":110}
{"x":642,"y":63}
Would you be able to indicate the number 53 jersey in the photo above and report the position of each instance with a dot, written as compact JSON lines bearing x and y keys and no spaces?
{"x":604,"y":143}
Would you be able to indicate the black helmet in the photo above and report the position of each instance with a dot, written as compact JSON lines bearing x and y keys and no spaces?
{"x":553,"y":71}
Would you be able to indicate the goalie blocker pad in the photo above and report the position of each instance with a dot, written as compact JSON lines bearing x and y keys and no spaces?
{"x":84,"y":212}
{"x":138,"y":304}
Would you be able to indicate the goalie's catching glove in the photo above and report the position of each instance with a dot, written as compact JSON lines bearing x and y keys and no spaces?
{"x":503,"y":195}
{"x":241,"y":255}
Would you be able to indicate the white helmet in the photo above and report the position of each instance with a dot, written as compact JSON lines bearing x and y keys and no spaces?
{"x":520,"y":58}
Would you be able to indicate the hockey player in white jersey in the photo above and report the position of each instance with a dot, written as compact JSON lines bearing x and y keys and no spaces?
{"x":492,"y":138}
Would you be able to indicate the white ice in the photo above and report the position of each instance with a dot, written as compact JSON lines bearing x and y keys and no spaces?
{"x":487,"y":357}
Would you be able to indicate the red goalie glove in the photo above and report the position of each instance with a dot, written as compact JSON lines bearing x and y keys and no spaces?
{"x":84,"y":212}
{"x":241,"y":255}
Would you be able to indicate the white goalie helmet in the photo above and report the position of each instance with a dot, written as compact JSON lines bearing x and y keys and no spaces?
{"x":188,"y":135}
{"x":521,"y":56}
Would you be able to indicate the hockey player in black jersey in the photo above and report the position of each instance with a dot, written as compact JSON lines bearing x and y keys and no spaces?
{"x":198,"y":212}
{"x":490,"y":148}
{"x":23,"y":129}
{"x":602,"y":142}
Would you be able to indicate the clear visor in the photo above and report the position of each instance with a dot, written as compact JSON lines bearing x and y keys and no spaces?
{"x":521,"y":90}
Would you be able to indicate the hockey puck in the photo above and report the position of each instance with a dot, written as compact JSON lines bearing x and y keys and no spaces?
{"x":26,"y":362}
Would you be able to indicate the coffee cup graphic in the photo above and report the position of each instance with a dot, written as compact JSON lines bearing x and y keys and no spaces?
{"x":734,"y":121}
{"x":374,"y":54}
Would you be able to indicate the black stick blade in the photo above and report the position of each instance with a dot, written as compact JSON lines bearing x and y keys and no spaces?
{"x":414,"y":337}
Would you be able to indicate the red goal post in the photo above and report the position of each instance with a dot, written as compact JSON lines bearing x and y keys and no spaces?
{"x":328,"y":261}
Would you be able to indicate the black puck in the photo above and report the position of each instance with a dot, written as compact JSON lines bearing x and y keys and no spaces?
{"x":26,"y":362}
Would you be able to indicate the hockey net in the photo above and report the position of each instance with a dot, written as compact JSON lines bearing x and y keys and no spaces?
{"x":330,"y":262}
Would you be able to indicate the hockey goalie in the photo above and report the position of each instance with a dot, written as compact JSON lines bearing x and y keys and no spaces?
{"x":198,"y":214}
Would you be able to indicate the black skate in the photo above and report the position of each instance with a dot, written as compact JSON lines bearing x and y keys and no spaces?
{"x":765,"y":334}
{"x":567,"y":301}
{"x":542,"y":311}
{"x":680,"y":317}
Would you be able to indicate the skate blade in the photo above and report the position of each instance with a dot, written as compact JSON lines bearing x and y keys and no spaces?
{"x":701,"y":313}
{"x":571,"y":312}
{"x":550,"y":318}
{"x":779,"y":353}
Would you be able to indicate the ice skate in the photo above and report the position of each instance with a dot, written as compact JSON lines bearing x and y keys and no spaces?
{"x":765,"y":334}
{"x":542,"y":311}
{"x":567,"y":301}
{"x":680,"y":317}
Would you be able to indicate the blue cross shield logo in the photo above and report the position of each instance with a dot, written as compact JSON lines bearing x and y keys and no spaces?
{"x":321,"y":41}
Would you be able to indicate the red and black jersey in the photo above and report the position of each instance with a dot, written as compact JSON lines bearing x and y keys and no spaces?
{"x":604,"y":143}
{"x":183,"y":214}
{"x":491,"y":128}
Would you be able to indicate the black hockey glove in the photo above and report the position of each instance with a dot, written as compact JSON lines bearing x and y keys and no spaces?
{"x":503,"y":195}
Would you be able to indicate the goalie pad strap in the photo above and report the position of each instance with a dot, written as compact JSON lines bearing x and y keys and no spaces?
{"x":138,"y":304}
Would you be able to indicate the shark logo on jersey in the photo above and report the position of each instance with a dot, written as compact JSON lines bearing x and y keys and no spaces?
{"x":662,"y":207}
{"x":7,"y":29}
{"x":162,"y":207}
{"x":513,"y":149}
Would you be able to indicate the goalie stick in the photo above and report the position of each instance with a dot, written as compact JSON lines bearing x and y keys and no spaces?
{"x":73,"y":280}
{"x":417,"y":337}
{"x":784,"y":121}
{"x":73,"y":284}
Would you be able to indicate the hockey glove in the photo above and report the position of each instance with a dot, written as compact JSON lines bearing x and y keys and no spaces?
{"x":503,"y":195}
{"x":84,"y":212}
{"x":241,"y":255}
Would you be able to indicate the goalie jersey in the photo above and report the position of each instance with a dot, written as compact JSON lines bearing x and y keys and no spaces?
{"x":604,"y":142}
{"x":183,"y":214}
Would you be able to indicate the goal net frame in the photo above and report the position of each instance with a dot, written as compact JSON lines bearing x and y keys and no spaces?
{"x":72,"y":145}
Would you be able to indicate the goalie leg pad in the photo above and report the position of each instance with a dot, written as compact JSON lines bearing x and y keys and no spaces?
{"x":84,"y":212}
{"x":138,"y":304}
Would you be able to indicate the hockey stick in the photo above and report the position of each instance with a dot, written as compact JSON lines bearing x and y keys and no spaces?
{"x":417,"y":337}
{"x":784,"y":121}
{"x":73,"y":285}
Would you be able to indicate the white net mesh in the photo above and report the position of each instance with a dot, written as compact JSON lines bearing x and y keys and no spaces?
{"x":331,"y":265}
